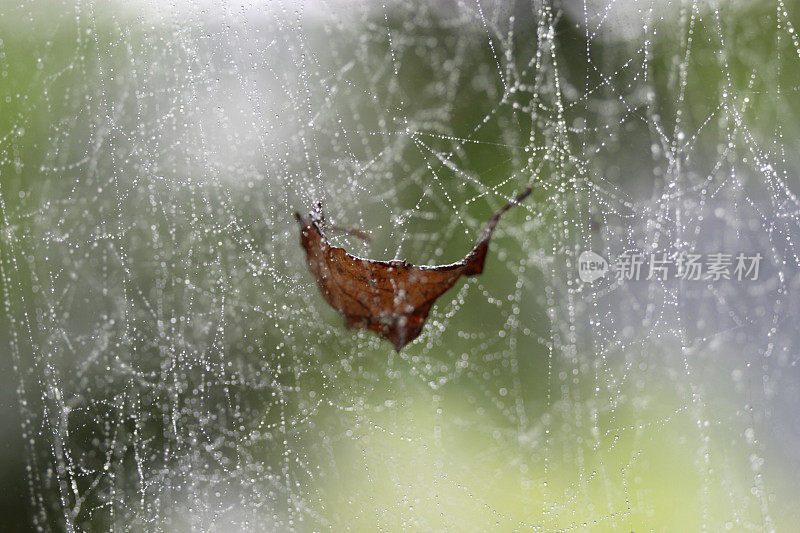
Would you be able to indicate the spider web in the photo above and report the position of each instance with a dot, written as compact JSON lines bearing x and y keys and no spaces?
{"x":176,"y":369}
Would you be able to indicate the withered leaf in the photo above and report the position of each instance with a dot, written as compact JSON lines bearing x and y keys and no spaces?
{"x":391,"y":298}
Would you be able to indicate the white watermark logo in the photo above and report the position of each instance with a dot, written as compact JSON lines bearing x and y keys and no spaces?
{"x":630,"y":266}
{"x":591,"y":266}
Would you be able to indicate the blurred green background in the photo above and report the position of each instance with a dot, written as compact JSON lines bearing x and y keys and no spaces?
{"x":169,"y":365}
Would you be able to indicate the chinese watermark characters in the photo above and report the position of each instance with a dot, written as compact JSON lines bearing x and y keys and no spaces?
{"x":630,"y":266}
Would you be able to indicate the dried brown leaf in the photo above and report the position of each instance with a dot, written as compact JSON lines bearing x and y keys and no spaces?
{"x":391,"y":298}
